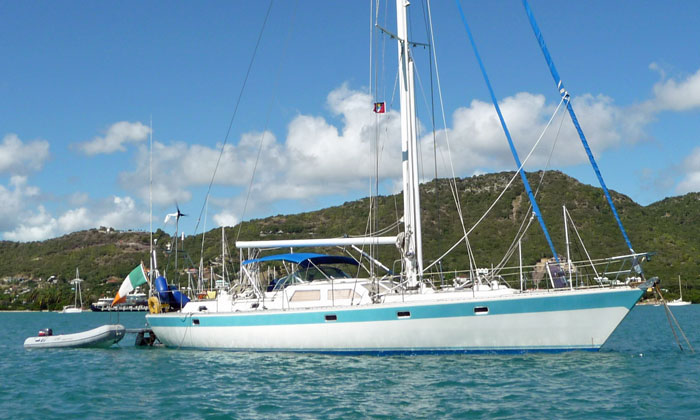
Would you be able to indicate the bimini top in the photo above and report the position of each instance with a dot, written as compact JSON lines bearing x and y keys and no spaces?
{"x":304,"y":259}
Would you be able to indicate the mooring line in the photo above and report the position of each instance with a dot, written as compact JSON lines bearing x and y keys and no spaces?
{"x":669,"y":316}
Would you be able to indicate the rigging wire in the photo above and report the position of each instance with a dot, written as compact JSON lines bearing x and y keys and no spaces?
{"x":515,"y":175}
{"x":380,"y":231}
{"x":368,"y":225}
{"x":562,"y":91}
{"x":375,"y":146}
{"x":519,"y":235}
{"x":582,"y":244}
{"x":432,"y":122}
{"x":230,"y":125}
{"x":514,"y":152}
{"x":267,"y":120}
{"x":235,"y":110}
{"x":453,"y":181}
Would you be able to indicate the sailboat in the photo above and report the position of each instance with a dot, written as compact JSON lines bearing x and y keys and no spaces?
{"x":679,"y":301}
{"x":320,"y":307}
{"x":75,"y":308}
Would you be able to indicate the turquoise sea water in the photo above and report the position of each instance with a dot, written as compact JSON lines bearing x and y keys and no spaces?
{"x":640,"y":373}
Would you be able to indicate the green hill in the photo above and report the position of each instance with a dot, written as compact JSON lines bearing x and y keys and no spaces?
{"x":670,"y":228}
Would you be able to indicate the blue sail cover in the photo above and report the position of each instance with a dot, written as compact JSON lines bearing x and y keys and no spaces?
{"x":304,"y":259}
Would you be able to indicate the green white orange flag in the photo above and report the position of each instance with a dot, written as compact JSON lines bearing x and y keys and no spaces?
{"x":136,"y":278}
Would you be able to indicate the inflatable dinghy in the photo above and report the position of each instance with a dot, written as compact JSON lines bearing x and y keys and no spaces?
{"x":102,"y":337}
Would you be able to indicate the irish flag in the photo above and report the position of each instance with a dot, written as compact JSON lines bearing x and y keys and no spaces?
{"x":136,"y":278}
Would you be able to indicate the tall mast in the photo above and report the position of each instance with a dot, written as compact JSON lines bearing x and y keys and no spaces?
{"x":223,"y":256}
{"x":412,"y":247}
{"x":150,"y":208}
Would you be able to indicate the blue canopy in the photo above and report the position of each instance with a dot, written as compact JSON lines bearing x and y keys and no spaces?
{"x":304,"y":259}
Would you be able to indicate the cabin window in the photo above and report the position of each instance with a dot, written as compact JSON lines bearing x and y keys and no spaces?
{"x":343,"y":294}
{"x":331,"y":317}
{"x":481,"y":310}
{"x":305,"y":296}
{"x":195,"y":321}
{"x":403,"y":314}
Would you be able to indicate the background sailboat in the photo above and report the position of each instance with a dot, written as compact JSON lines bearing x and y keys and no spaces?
{"x":679,"y":301}
{"x":75,"y":308}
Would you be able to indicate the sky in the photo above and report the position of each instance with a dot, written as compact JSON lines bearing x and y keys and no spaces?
{"x":85,"y":86}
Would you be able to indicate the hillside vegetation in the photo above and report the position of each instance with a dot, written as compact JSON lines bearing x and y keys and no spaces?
{"x":670,"y":227}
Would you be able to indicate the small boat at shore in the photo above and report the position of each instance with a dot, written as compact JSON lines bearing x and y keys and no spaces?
{"x":100,"y":337}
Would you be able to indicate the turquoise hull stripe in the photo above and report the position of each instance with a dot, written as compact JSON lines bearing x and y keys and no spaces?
{"x":625,"y":299}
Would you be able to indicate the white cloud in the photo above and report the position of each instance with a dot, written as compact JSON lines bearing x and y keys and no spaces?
{"x":73,"y":220}
{"x":29,"y":224}
{"x":676,"y":95}
{"x":115,"y":137}
{"x":120,"y":213}
{"x":13,"y":199}
{"x":17,"y":157}
{"x":33,"y":227}
{"x":318,"y":158}
{"x":691,"y":177}
{"x":315,"y":159}
{"x":225,"y":218}
{"x":177,"y":167}
{"x":324,"y":159}
{"x":478,"y":144}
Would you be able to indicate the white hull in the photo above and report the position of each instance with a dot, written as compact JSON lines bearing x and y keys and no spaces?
{"x":71,"y":310}
{"x":677,"y":302}
{"x":103,"y":336}
{"x":445,"y":326}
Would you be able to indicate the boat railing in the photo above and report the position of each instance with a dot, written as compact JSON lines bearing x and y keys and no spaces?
{"x":606,"y":272}
{"x":586,"y":274}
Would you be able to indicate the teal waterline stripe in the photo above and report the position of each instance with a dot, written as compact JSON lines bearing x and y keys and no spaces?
{"x":625,"y":299}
